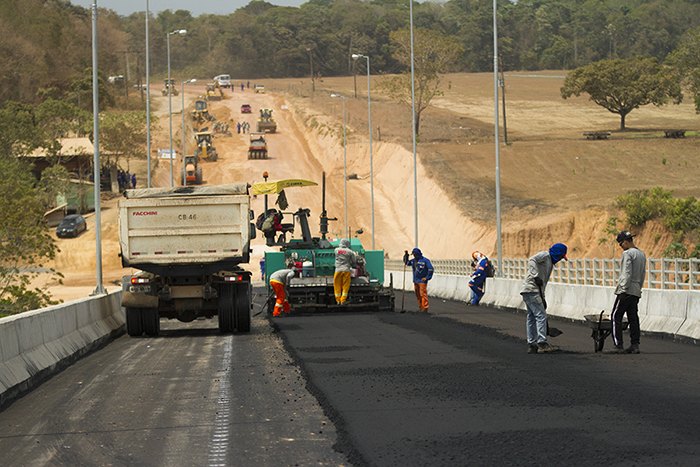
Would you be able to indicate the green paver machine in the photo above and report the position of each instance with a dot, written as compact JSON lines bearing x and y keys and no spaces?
{"x":312,"y":289}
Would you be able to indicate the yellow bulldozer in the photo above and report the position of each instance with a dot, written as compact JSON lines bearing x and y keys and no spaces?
{"x":201,"y":114}
{"x":170,"y":85}
{"x":265,"y":122}
{"x":205,"y":149}
{"x":212,"y":90}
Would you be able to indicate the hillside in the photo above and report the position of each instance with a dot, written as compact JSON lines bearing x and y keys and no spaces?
{"x":556,"y":185}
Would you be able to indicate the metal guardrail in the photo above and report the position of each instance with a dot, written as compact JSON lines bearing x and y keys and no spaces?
{"x":663,"y":273}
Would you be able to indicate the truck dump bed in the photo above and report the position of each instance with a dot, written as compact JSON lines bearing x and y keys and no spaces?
{"x":162,"y":228}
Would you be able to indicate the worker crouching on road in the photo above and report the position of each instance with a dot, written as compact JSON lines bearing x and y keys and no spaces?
{"x":422,"y":273}
{"x":279,"y":280}
{"x":478,"y":278}
{"x":345,"y":262}
{"x":539,"y":269}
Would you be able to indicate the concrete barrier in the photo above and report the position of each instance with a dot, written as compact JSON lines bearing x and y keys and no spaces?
{"x":669,"y":312}
{"x":38,"y":343}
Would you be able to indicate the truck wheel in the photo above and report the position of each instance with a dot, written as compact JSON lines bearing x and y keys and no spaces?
{"x":151,"y":321}
{"x":242,"y":313}
{"x":198,"y":176}
{"x":134,"y":326}
{"x":226,"y":313}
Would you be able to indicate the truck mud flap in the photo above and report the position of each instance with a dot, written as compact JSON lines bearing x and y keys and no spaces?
{"x":138,"y":300}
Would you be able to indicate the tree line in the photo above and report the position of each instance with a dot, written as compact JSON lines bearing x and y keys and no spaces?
{"x":46,"y":43}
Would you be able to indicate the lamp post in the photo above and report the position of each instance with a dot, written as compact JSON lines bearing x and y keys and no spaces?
{"x":99,"y":288}
{"x":148,"y":102}
{"x":371,"y":165}
{"x":182,"y":32}
{"x":182,"y":93}
{"x":345,"y":167}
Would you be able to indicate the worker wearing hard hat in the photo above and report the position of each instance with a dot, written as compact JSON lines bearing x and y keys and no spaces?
{"x":345,"y":262}
{"x":422,"y":273}
{"x":279,"y":280}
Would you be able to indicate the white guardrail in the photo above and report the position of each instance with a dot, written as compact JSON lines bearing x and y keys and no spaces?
{"x":670,"y":303}
{"x":664,"y":273}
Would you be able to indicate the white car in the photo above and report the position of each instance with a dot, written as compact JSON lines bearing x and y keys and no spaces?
{"x":223,"y":80}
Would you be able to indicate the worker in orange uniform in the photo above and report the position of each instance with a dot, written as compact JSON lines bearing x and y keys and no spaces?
{"x":345,"y":262}
{"x":279,"y":280}
{"x":422,"y":273}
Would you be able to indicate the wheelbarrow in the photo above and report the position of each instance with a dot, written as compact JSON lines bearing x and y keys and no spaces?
{"x":602,"y":328}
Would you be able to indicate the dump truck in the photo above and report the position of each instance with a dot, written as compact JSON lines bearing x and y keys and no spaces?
{"x":205,"y":147}
{"x":265,"y":122}
{"x":170,"y":85}
{"x":314,"y":258}
{"x":192,"y":172}
{"x":257,"y":148}
{"x":188,"y":245}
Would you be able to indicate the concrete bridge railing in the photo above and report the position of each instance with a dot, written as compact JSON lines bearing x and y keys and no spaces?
{"x":37,"y":343}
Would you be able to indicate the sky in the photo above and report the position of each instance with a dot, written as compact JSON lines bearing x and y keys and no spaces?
{"x":195,"y":7}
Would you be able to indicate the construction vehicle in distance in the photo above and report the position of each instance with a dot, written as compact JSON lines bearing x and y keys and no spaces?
{"x":187,"y":245}
{"x":265,"y":122}
{"x":312,"y":288}
{"x":205,"y":147}
{"x":172,"y":87}
{"x":192,"y":172}
{"x":259,"y":88}
{"x":212,"y":89}
{"x":257,"y":148}
{"x":201,"y":114}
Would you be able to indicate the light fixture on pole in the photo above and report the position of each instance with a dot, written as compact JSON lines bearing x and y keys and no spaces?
{"x":413,"y":130}
{"x":148,"y":103}
{"x":182,"y":32}
{"x":345,"y":168}
{"x":99,"y":289}
{"x":265,"y":175}
{"x":184,"y":165}
{"x":371,"y":164}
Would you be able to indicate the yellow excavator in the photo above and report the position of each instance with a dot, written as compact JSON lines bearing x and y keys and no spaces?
{"x":212,"y":90}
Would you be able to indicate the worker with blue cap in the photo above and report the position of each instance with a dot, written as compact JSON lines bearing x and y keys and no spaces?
{"x":422,"y":273}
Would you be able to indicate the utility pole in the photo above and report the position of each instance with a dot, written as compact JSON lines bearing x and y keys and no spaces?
{"x":311,"y":65}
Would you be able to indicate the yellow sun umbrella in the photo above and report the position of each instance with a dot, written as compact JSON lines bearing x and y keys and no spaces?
{"x":269,"y":188}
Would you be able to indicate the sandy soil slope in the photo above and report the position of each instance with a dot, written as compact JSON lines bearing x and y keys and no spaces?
{"x":556,"y":185}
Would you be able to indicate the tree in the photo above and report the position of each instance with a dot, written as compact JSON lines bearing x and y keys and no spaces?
{"x":434,"y":54}
{"x":24,"y":240}
{"x":123,"y":135}
{"x":622,"y":85}
{"x":685,"y":61}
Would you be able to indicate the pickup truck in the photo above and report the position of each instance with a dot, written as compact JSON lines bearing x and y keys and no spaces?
{"x":188,"y":244}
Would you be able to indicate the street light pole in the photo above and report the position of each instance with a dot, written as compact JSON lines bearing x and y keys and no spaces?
{"x":99,"y":289}
{"x":170,"y":106}
{"x":148,"y":103}
{"x":265,"y":175}
{"x":371,"y":164}
{"x":184,"y":167}
{"x":345,"y":167}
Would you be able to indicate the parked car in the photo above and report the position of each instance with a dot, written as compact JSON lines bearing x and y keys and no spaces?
{"x":71,"y":226}
{"x":245,"y":109}
{"x":223,"y":80}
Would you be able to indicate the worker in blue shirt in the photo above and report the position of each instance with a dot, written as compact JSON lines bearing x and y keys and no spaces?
{"x":478,"y":278}
{"x":422,"y":273}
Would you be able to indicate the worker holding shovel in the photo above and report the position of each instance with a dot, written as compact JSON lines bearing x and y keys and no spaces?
{"x":539,"y":269}
{"x":422,"y":273}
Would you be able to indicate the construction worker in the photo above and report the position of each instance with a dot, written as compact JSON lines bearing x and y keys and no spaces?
{"x":422,"y":273}
{"x":279,"y":280}
{"x":478,"y":278}
{"x":345,"y":262}
{"x":628,"y":292}
{"x":539,"y":269}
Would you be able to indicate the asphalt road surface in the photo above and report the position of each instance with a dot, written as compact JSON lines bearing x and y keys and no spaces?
{"x":451,"y":388}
